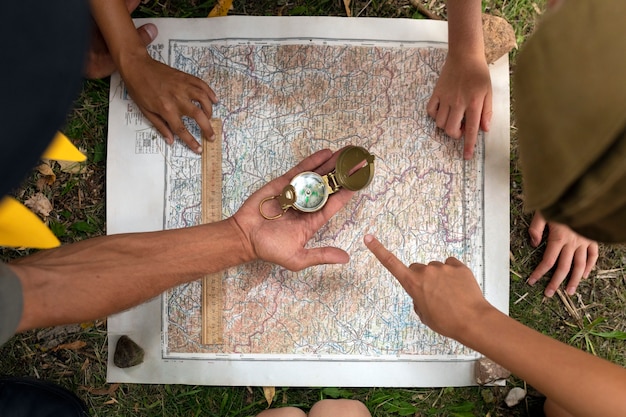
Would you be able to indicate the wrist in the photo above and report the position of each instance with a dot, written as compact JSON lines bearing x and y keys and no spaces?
{"x":247,"y":248}
{"x":130,"y":57}
{"x":478,"y":326}
{"x":467,"y":56}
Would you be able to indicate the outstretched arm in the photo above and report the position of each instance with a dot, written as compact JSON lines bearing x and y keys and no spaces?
{"x":101,"y":276}
{"x":461,"y":102}
{"x":448,"y":299}
{"x":163,"y":94}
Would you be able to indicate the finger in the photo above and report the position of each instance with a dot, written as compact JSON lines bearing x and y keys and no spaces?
{"x":470,"y":132}
{"x":330,"y":164}
{"x":560,"y":273}
{"x":417,"y":267}
{"x":201,"y":91}
{"x":578,"y":268}
{"x":487,"y":113}
{"x":203,"y":121}
{"x":320,"y":256}
{"x":549,"y":259}
{"x":592,"y":258}
{"x":131,"y":5}
{"x":160,"y":125}
{"x":206,"y":104}
{"x":308,"y":164}
{"x":442,"y":116}
{"x":454,"y":262}
{"x":435,"y":263}
{"x":453,"y":124}
{"x":147,"y":33}
{"x":433,"y":106}
{"x":178,"y":127}
{"x":388,"y":259}
{"x":536,"y":229}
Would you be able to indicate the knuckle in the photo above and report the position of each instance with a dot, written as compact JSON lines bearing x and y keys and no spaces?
{"x":454,"y":133}
{"x":180,"y":129}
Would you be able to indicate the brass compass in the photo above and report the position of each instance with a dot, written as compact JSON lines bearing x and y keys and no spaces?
{"x":309,"y":191}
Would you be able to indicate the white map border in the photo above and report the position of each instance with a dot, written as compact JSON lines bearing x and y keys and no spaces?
{"x":126,"y":212}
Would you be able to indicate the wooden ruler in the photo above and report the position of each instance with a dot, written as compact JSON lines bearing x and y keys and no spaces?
{"x":212,"y":297}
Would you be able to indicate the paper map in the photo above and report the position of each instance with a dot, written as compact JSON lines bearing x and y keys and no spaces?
{"x":282,"y":98}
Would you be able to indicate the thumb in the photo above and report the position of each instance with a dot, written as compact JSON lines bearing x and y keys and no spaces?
{"x":485,"y":118}
{"x":325,"y":255}
{"x":147,"y":33}
{"x":536,"y":228}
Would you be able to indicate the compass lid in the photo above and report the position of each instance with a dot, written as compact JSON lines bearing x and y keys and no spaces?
{"x":355,"y":168}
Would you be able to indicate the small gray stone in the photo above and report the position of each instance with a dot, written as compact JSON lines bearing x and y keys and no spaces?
{"x":127,"y":353}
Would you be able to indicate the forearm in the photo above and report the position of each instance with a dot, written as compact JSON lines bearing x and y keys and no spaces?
{"x":118,"y":31}
{"x":581,"y":383}
{"x":101,"y":276}
{"x":465,"y":30}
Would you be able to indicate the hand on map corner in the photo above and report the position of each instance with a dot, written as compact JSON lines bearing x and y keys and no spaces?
{"x":446,"y":296}
{"x":283,"y":241}
{"x":575,"y":254}
{"x":165,"y":95}
{"x":100,"y":63}
{"x":461,"y":102}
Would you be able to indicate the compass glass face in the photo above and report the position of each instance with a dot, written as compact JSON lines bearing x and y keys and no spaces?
{"x":311,"y":194}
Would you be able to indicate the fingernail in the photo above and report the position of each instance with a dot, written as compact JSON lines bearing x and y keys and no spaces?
{"x":531,"y":281}
{"x":151,"y":30}
{"x":571,"y":291}
{"x":368,"y":238}
{"x":199,"y":149}
{"x":549,"y":293}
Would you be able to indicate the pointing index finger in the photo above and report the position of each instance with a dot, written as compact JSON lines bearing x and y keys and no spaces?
{"x":388,"y":259}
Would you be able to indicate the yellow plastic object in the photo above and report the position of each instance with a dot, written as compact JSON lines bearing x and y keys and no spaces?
{"x":62,"y":149}
{"x":21,"y":227}
{"x":221,"y":8}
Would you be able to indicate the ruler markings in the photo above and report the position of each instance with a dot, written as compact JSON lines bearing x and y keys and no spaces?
{"x":212,"y":296}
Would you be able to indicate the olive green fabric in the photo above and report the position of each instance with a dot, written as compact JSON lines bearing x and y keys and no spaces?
{"x":570,"y":107}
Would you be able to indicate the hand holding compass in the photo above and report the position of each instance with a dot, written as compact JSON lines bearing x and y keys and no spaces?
{"x":309,"y":191}
{"x":284,"y":242}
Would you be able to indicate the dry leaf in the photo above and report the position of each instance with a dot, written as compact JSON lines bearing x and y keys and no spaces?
{"x":221,"y":8}
{"x":269,"y":393}
{"x":101,"y":391}
{"x":39,"y":204}
{"x":71,"y":167}
{"x":77,"y":345}
{"x":48,"y":175}
{"x":111,"y":401}
{"x":346,"y":3}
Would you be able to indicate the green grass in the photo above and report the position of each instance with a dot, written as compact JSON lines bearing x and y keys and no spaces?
{"x":79,"y":213}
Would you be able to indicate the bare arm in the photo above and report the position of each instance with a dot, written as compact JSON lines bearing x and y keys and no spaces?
{"x":97,"y":277}
{"x":447,"y":299}
{"x":461,"y":100}
{"x":163,"y":94}
{"x":100,"y":276}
